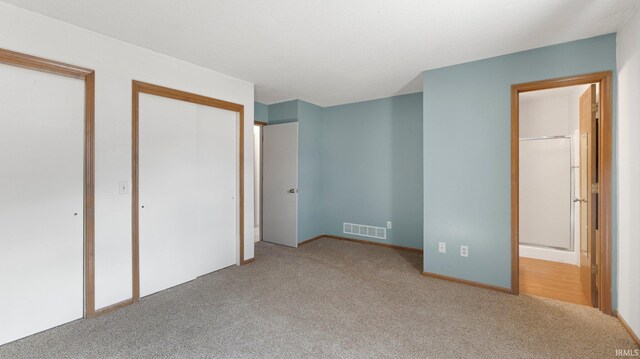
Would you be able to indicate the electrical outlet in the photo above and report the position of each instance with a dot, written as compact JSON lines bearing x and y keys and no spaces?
{"x":442,"y":247}
{"x":464,"y":251}
{"x":388,"y":224}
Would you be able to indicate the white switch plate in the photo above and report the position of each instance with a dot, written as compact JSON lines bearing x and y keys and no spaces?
{"x":123,"y":187}
{"x":442,"y":247}
{"x":464,"y":251}
{"x":388,"y":224}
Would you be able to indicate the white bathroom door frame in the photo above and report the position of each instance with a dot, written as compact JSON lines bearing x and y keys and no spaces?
{"x":280,"y":184}
{"x":87,"y":76}
{"x":145,"y":88}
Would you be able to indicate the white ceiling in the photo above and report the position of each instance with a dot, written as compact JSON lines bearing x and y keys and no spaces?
{"x":331,"y":52}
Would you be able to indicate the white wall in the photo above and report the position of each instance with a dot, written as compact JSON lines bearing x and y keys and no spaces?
{"x":116,"y":63}
{"x":547,"y":115}
{"x":554,"y":113}
{"x":629,"y":172}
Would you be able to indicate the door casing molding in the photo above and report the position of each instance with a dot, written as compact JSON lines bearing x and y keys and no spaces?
{"x":260,"y":124}
{"x":88,"y":76}
{"x":604,"y":247}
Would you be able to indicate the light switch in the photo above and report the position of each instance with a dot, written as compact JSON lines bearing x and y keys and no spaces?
{"x":123,"y":187}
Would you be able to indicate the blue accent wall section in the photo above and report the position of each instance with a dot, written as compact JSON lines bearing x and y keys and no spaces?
{"x":360,"y":163}
{"x":466,"y":133}
{"x":309,"y":119}
{"x":310,"y":214}
{"x":283,"y":112}
{"x":372,"y":167}
{"x":260,"y":112}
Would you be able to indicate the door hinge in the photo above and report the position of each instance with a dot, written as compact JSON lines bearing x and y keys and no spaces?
{"x":594,"y":188}
{"x":594,"y":269}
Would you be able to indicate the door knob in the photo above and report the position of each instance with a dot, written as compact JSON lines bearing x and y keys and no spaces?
{"x":576,"y":199}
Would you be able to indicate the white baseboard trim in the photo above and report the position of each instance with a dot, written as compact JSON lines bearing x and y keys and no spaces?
{"x":549,"y":254}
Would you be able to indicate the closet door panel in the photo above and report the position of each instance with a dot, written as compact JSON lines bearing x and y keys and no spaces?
{"x":166,"y":170}
{"x":187,"y":174}
{"x":41,"y":201}
{"x":216,"y":197}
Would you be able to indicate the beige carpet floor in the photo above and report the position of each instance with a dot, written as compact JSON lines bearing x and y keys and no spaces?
{"x":332,"y":299}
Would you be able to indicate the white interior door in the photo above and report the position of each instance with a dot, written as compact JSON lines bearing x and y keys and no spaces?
{"x":188,"y":183}
{"x":280,"y":184}
{"x":41,"y":201}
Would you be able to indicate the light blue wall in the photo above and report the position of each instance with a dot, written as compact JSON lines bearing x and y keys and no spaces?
{"x":309,"y":119}
{"x":372,"y":167}
{"x":283,"y":112}
{"x":310,"y":215}
{"x":467,"y":153}
{"x":359,"y":163}
{"x":260,"y":112}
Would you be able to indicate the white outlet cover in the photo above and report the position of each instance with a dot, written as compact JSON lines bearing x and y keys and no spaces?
{"x":442,"y":247}
{"x":464,"y":251}
{"x":388,"y":224}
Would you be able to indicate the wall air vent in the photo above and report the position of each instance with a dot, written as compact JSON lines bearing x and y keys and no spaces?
{"x":366,"y":231}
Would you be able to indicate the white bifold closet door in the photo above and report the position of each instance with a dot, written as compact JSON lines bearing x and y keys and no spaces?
{"x":41,"y":201}
{"x":188,"y":183}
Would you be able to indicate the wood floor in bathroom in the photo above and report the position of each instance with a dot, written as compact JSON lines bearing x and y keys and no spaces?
{"x":554,"y":280}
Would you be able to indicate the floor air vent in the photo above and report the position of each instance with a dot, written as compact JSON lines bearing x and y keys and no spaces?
{"x":367,"y":231}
